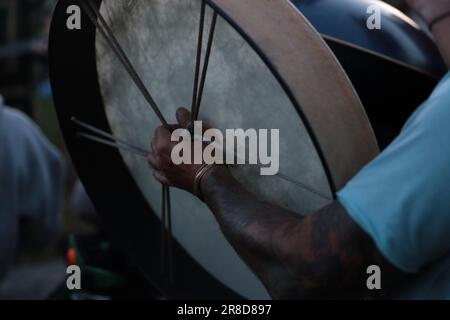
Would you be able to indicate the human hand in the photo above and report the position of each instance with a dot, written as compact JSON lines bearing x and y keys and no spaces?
{"x":180,"y":176}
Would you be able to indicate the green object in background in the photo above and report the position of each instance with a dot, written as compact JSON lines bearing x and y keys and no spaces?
{"x":102,"y":279}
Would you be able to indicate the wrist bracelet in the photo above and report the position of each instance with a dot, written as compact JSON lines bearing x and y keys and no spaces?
{"x":204,"y":169}
{"x":438,"y":19}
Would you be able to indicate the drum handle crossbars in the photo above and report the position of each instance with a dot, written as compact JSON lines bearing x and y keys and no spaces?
{"x":93,"y":13}
{"x":198,"y":88}
{"x":166,"y":230}
{"x":117,"y":143}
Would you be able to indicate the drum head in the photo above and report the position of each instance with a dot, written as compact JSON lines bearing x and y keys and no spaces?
{"x":262,"y":75}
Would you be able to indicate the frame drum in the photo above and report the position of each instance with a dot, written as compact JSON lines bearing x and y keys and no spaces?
{"x":268,"y":69}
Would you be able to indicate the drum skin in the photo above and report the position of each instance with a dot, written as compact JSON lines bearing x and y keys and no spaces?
{"x":241,"y":92}
{"x":393,"y":69}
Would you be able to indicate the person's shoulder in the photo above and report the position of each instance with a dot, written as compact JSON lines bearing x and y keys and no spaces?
{"x":20,"y":130}
{"x":15,"y":118}
{"x":433,"y":115}
{"x":442,"y":90}
{"x":14,"y":114}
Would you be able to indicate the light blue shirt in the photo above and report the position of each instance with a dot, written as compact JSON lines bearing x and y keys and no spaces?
{"x":402,"y":198}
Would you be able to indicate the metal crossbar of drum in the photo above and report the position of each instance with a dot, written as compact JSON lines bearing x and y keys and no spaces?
{"x":267,"y":67}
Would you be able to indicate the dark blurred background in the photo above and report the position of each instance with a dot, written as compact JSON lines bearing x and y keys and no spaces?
{"x":24,"y":84}
{"x":23,"y":39}
{"x":40,"y":273}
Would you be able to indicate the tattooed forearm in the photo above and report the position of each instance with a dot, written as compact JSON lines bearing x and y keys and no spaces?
{"x":323,"y":255}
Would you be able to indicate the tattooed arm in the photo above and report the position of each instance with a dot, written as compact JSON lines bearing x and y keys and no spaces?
{"x":323,"y":255}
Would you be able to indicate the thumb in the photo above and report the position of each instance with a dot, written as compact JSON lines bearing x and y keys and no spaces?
{"x":184,"y":117}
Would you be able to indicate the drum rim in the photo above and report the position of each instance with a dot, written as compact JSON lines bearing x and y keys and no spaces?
{"x":357,"y":145}
{"x":93,"y":163}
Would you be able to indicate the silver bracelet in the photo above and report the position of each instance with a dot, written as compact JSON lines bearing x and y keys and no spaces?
{"x":204,"y":169}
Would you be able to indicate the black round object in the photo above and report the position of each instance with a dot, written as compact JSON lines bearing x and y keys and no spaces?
{"x":393,"y":69}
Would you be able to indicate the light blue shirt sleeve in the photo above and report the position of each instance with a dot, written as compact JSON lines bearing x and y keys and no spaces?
{"x":402,"y":198}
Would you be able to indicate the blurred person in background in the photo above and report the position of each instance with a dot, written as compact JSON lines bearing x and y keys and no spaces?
{"x":36,"y":212}
{"x":31,"y":187}
{"x":32,"y":169}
